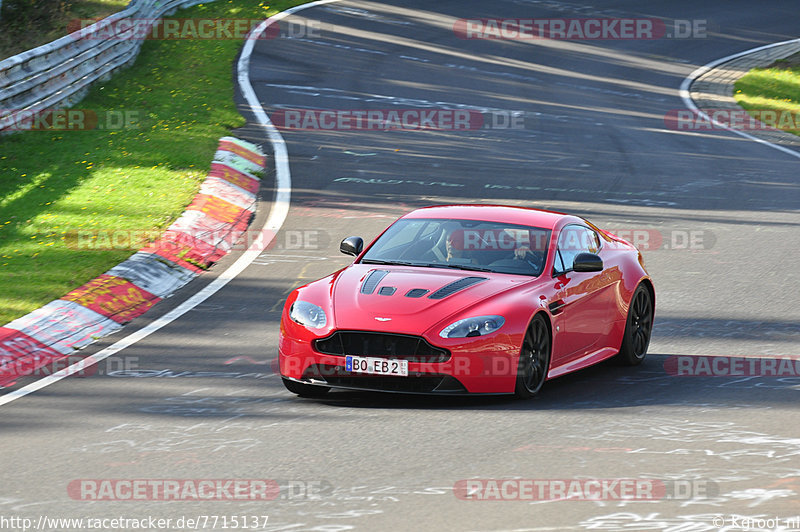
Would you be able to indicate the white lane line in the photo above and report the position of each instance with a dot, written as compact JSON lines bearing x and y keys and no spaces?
{"x":277,"y":216}
{"x":687,"y":99}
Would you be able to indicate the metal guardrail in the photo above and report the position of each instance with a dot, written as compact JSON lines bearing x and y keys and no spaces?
{"x":59,"y":74}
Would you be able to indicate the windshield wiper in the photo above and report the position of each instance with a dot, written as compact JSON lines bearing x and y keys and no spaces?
{"x":388,"y":262}
{"x":458,"y":267}
{"x":426,"y":265}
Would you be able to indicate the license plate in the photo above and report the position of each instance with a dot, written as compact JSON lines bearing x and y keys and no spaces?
{"x":376,"y":366}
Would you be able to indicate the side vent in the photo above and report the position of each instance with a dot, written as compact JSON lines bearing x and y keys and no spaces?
{"x":416,"y":292}
{"x":455,"y":286}
{"x":371,"y":282}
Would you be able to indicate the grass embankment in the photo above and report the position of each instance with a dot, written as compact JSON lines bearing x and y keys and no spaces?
{"x":137,"y":178}
{"x":775,"y":88}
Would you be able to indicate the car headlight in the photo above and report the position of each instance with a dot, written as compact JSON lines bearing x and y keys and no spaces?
{"x":308,"y":314}
{"x":477,"y":326}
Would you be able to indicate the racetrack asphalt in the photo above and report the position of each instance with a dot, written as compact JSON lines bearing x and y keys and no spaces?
{"x":594,"y":143}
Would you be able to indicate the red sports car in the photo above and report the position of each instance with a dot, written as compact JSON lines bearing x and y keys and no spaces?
{"x":467,"y":299}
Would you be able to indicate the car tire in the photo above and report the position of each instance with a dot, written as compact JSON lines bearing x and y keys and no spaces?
{"x":534,"y":359}
{"x":638,"y":328}
{"x":305,"y":390}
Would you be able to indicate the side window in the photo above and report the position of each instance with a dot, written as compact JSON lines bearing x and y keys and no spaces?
{"x":558,"y":267}
{"x":591,"y":241}
{"x":574,"y":239}
{"x":569,"y":245}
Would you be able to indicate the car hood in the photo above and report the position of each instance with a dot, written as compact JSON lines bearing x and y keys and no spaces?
{"x":408,"y":299}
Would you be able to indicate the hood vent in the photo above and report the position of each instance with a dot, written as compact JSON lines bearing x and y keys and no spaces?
{"x":416,"y":292}
{"x":371,"y":281}
{"x":455,"y":286}
{"x":387,"y":290}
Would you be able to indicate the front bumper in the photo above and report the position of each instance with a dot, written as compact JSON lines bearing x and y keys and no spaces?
{"x":475,"y":365}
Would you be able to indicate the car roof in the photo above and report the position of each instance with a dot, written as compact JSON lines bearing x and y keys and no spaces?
{"x":495,"y":213}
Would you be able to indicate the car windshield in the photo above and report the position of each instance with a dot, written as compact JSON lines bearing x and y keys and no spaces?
{"x":462,"y":244}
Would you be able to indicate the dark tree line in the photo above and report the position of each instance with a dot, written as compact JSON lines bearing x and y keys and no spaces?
{"x":19,"y":15}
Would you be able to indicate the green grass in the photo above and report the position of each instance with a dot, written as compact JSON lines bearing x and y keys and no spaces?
{"x":776,"y":88}
{"x":53,"y":184}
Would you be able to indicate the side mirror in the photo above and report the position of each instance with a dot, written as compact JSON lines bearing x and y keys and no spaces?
{"x":587,"y":262}
{"x":352,"y":245}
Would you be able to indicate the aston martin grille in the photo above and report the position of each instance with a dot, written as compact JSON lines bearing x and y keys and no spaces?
{"x":382,"y":345}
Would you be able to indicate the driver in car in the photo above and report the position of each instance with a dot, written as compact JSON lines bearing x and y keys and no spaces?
{"x":453,"y":251}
